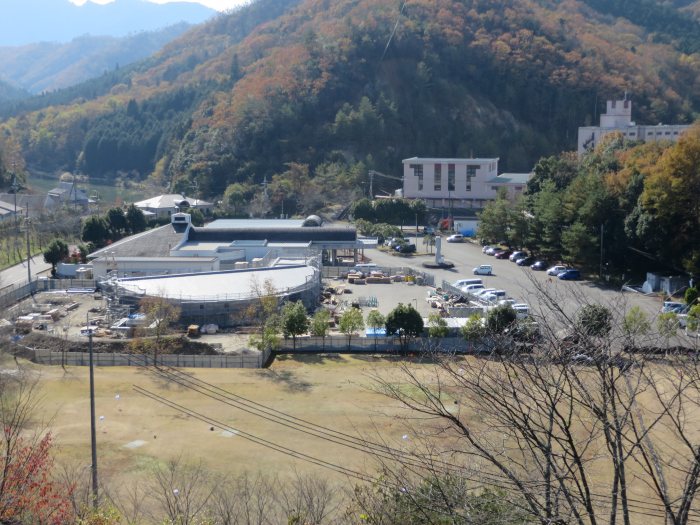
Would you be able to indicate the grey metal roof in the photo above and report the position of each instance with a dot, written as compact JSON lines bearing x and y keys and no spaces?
{"x":285,"y":235}
{"x":247,"y":224}
{"x":511,"y":178}
{"x":152,"y":243}
{"x":159,"y":241}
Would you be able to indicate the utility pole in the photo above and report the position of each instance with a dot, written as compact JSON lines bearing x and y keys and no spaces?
{"x":93,"y":438}
{"x":602,"y":232}
{"x":29,"y":253}
{"x":15,"y":188}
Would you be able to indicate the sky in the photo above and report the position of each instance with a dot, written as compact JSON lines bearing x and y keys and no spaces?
{"x":219,"y":5}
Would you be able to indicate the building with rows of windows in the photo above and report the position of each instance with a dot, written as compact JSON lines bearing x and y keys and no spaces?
{"x":618,"y":119}
{"x":458,"y":183}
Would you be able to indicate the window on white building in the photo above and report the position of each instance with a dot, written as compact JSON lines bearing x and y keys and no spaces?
{"x":438,"y":178}
{"x":450,"y":177}
{"x":471,"y":173}
{"x":418,"y":173}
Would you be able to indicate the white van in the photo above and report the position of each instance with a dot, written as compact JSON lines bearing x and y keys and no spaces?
{"x":484,"y":269}
{"x":466,"y":282}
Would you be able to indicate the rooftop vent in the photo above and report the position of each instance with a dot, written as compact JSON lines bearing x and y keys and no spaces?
{"x":181,"y":218}
{"x":312,"y":221}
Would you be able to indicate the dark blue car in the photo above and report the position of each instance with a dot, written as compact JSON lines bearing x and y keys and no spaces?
{"x":570,"y":275}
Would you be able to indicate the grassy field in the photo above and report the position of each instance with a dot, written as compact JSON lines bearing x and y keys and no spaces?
{"x":335,"y":392}
{"x":134,"y":433}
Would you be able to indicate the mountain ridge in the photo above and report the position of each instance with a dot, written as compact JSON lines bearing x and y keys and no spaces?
{"x":33,"y":21}
{"x":42,"y":67}
{"x":355,"y":82}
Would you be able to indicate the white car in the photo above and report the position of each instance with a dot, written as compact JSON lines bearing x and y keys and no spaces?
{"x":457,"y":237}
{"x":479,"y":293}
{"x":492,"y":297}
{"x":522,"y":310}
{"x":466,"y":282}
{"x":487,"y":247}
{"x":556,"y":270}
{"x":472,"y":288}
{"x":484,"y":269}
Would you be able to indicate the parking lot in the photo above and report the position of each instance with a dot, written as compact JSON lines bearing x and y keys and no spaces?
{"x":520,"y":283}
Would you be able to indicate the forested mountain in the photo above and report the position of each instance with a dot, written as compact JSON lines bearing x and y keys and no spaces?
{"x":9,"y":92}
{"x":339,"y":86}
{"x":30,"y":21}
{"x":49,"y":66}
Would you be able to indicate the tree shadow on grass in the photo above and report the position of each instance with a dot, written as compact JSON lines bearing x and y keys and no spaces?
{"x":287,"y":378}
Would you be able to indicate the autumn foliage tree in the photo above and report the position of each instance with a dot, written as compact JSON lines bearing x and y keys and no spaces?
{"x":28,"y":491}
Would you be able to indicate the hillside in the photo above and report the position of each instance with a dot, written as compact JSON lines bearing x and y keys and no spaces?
{"x":31,"y":21}
{"x":333,"y":84}
{"x":49,"y":66}
{"x":8,"y":92}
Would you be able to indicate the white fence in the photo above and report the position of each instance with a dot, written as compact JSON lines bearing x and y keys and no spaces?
{"x":51,"y":357}
{"x":357,"y":344}
{"x":14,"y":293}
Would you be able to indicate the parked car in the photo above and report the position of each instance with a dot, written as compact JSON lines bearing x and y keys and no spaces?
{"x":556,"y":269}
{"x":472,"y":288}
{"x":485,"y":247}
{"x":492,"y":250}
{"x":492,"y":297}
{"x":509,"y":302}
{"x":676,"y":308}
{"x":522,"y":310}
{"x":406,"y":248}
{"x":393,"y":242}
{"x":429,"y":230}
{"x":525,"y":261}
{"x":517,"y":255}
{"x":456,"y":237}
{"x":570,"y":275}
{"x":502,"y":254}
{"x":539,"y":265}
{"x":465,"y":282}
{"x":483,"y":269}
{"x":479,"y":293}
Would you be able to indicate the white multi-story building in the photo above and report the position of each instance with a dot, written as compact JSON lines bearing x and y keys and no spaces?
{"x":458,"y":183}
{"x":618,"y":118}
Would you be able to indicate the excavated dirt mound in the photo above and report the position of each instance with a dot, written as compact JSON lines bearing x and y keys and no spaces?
{"x":170,"y":345}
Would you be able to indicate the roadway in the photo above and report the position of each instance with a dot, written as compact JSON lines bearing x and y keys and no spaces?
{"x":17,"y":274}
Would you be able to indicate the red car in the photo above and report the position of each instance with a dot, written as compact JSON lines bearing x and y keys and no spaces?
{"x":503,"y":254}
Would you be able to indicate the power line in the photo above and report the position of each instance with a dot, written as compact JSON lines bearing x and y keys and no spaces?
{"x":393,"y":31}
{"x":343,"y":439}
{"x":344,"y":470}
{"x":250,"y":437}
